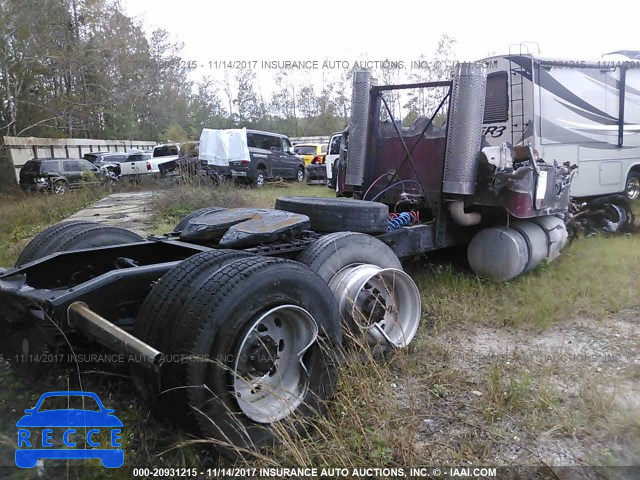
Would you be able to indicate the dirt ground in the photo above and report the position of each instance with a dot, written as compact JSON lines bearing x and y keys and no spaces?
{"x":129,"y":210}
{"x":568,"y":395}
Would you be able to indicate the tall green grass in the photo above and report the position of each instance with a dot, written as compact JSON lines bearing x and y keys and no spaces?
{"x":23,"y":215}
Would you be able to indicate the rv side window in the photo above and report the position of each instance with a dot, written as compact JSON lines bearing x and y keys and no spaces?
{"x":496,"y":103}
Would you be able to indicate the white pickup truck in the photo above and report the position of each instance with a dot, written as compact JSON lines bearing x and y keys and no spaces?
{"x":121,"y":164}
{"x":164,"y":153}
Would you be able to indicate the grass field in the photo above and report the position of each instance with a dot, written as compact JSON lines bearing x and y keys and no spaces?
{"x":538,"y":371}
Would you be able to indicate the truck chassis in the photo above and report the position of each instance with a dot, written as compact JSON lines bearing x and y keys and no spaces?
{"x":238,"y":316}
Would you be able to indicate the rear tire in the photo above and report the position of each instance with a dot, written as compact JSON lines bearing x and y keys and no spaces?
{"x":59,"y":187}
{"x":78,"y":236}
{"x":219,"y":325}
{"x":378,"y":303}
{"x":331,"y":253}
{"x":39,"y":243}
{"x":632,"y":187}
{"x":159,"y":313}
{"x":95,"y":236}
{"x":261,"y":178}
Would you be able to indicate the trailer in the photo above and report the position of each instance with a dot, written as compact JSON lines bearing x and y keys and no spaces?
{"x":236,"y":320}
{"x":584,"y":112}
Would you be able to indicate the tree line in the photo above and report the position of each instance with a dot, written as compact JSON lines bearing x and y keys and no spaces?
{"x":84,"y":69}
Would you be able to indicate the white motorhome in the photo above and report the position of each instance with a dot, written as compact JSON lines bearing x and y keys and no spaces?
{"x":583,"y":112}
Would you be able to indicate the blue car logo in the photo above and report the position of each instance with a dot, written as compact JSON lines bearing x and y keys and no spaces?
{"x":79,"y":425}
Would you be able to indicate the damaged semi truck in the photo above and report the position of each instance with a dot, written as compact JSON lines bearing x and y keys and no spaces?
{"x":237,"y":316}
{"x":446,"y":186}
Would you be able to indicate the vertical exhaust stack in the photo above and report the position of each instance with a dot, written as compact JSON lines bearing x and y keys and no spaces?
{"x":464,"y":134}
{"x":358,"y":127}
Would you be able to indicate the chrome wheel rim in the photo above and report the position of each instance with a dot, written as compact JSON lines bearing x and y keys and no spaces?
{"x":633,"y":188}
{"x":300,"y":176}
{"x":260,"y":180}
{"x":270,"y":377}
{"x":59,"y":188}
{"x":383,"y":303}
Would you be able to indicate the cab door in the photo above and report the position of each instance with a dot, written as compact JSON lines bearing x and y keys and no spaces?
{"x":90,"y":173}
{"x":72,"y":171}
{"x":276,"y":156}
{"x":333,"y":153}
{"x":290,"y":160}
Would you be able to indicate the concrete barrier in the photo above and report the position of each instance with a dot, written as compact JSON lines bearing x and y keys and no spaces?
{"x":17,"y":151}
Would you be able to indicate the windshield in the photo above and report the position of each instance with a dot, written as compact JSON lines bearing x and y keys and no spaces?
{"x":305,"y":150}
{"x":165,"y":151}
{"x":69,"y":402}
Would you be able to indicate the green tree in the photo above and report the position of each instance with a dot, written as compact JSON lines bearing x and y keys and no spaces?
{"x":174,"y":133}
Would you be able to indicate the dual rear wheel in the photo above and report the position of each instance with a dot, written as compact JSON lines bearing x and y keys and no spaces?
{"x":252,"y":341}
{"x":248,"y":342}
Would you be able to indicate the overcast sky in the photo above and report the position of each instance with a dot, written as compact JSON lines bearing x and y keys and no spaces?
{"x":399,"y":30}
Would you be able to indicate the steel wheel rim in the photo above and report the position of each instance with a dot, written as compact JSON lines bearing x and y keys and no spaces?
{"x":384,"y":303}
{"x":633,"y":188}
{"x":270,"y":378}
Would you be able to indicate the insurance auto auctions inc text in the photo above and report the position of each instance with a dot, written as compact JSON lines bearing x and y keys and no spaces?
{"x":224,"y":64}
{"x":355,"y":472}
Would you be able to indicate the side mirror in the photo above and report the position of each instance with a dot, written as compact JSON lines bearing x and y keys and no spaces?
{"x":291,"y":151}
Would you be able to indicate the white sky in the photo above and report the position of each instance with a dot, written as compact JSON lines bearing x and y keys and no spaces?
{"x":398,"y":30}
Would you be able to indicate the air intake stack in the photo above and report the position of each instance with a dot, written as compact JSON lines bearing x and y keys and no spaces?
{"x":464,"y":133}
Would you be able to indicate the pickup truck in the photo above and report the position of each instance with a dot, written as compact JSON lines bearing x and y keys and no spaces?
{"x":167,"y":152}
{"x":120,"y":164}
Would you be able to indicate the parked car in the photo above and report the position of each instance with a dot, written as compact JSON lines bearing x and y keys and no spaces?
{"x":310,"y":152}
{"x":118,"y":164}
{"x":58,"y":175}
{"x":94,"y":157}
{"x":271,"y":157}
